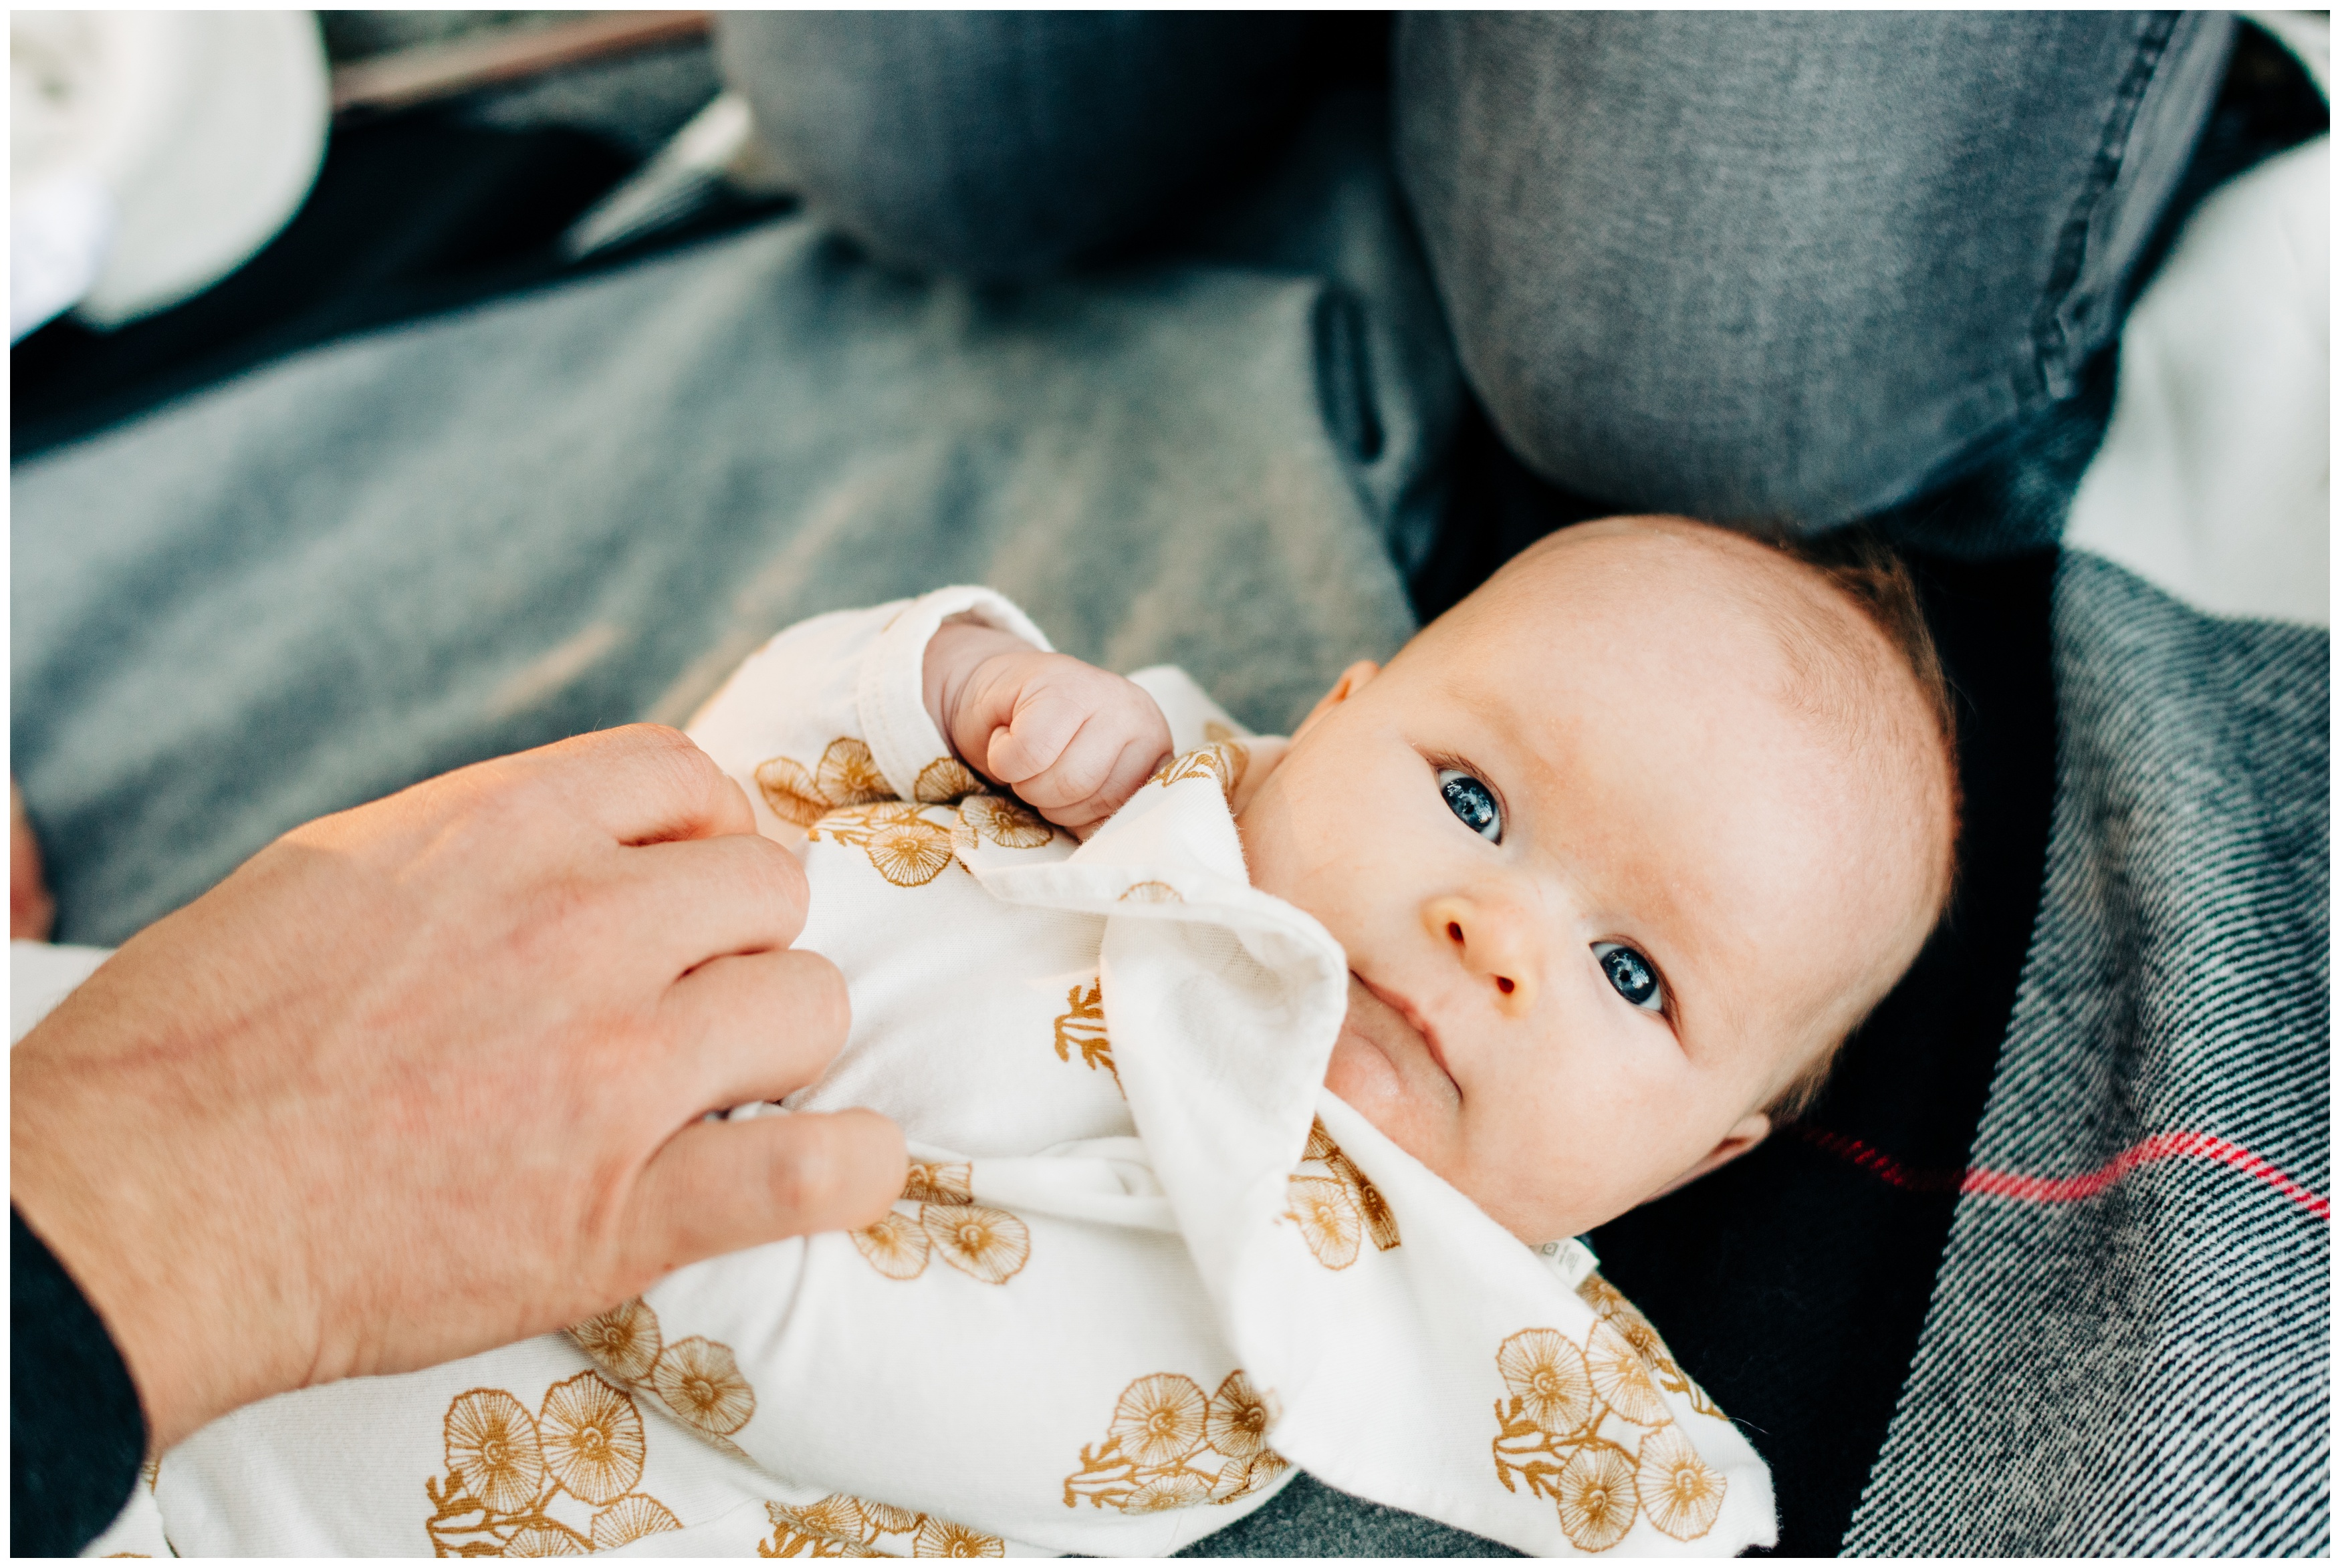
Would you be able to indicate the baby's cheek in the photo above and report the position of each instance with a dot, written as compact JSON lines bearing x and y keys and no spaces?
{"x":1367,"y":1082}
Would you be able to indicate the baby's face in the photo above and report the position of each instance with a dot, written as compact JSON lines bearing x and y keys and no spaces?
{"x":1604,"y":889}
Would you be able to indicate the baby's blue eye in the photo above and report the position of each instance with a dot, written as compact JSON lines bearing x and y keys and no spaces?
{"x":1630,"y":973}
{"x":1473,"y":803}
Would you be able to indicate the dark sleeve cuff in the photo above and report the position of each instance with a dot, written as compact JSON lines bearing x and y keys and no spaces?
{"x":76,"y":1433}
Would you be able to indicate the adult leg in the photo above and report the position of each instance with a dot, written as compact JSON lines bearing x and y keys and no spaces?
{"x":1003,"y":145}
{"x":1787,"y":266}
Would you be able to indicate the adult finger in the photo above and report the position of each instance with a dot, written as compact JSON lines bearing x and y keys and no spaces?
{"x":643,"y":783}
{"x":696,"y":899}
{"x":717,"y":1186}
{"x":757,"y":1026}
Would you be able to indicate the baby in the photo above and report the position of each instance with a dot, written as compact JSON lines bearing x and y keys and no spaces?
{"x":1229,"y":1122}
{"x":1620,"y":850}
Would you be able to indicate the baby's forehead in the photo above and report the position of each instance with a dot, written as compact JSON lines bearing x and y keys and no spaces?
{"x":1712,"y":580}
{"x":1665,"y":599}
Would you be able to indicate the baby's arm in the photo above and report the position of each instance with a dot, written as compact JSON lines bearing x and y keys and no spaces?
{"x":1073,"y":740}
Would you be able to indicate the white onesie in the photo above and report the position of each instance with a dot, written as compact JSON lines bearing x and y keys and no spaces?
{"x":1144,"y":1264}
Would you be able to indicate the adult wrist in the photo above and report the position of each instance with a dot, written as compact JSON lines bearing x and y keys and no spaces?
{"x":197,"y":1333}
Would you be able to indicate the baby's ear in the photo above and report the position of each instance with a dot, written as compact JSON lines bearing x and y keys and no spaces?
{"x":1351,"y":680}
{"x":1745,"y":1134}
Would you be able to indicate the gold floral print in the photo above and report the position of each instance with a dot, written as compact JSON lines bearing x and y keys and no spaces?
{"x":623,"y":1341}
{"x":839,"y":1525}
{"x":1150,"y":892}
{"x":845,"y":800}
{"x":505,"y":1468}
{"x":1237,"y":1420}
{"x":941,"y":1538}
{"x":990,"y":1244}
{"x":1332,"y":1210}
{"x":1238,"y":1476}
{"x":1006,"y":822}
{"x":593,"y":1438}
{"x":1170,"y":1447}
{"x":1622,"y":1378}
{"x":945,"y":781}
{"x":626,"y":1344}
{"x":1380,"y":1224}
{"x":627,"y":1520}
{"x":1554,"y":1434}
{"x":910,"y":853}
{"x":839,"y":1516}
{"x":1214,"y":732}
{"x":1596,"y":1496}
{"x":895,"y":1246}
{"x":700,"y":1383}
{"x":1225,"y":761}
{"x":939,"y":1181}
{"x":846,"y":776}
{"x":543,"y":1538}
{"x":1625,"y":1318}
{"x":1680,"y":1493}
{"x":907,"y":847}
{"x":1082,"y":1026}
{"x":853,"y":824}
{"x":889,"y":1519}
{"x":1328,"y":1218}
{"x":1159,"y":1419}
{"x":1164,"y":1493}
{"x":492,"y":1450}
{"x":1545,"y":1373}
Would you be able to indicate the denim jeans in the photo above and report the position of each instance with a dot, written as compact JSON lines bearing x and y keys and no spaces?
{"x":1785,"y":266}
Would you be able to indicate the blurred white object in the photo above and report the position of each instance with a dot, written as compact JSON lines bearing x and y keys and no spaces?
{"x":2215,"y":480}
{"x":40,"y":975}
{"x":717,"y":148}
{"x":58,"y":233}
{"x":203,"y":130}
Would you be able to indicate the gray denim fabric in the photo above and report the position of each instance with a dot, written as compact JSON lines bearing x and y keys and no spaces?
{"x":1787,"y":265}
{"x":1791,"y":266}
{"x":999,"y":145}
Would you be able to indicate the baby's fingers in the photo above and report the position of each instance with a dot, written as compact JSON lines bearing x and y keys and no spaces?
{"x":1107,"y":764}
{"x":1035,"y":737}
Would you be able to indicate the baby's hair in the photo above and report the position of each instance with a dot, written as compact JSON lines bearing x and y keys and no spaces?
{"x":1866,"y":570}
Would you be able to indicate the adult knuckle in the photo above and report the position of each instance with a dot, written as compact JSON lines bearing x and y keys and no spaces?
{"x":824,"y":1004}
{"x":809,"y":1179}
{"x":782,"y":874}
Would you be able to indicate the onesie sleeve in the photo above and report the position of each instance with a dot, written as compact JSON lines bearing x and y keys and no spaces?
{"x":832,"y":711}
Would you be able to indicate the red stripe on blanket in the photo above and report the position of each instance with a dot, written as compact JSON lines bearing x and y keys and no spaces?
{"x":2066,"y":1189}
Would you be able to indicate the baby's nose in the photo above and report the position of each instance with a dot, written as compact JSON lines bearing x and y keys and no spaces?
{"x":1491,"y":944}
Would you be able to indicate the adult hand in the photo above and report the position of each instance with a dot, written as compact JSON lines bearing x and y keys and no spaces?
{"x":428,"y":1076}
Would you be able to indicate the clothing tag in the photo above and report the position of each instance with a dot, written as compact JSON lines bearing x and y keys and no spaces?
{"x":1571,"y":1259}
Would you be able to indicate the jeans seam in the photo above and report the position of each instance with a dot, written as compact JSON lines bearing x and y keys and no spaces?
{"x":2051,"y":376}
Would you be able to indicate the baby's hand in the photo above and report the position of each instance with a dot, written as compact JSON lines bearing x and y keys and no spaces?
{"x":1073,"y":741}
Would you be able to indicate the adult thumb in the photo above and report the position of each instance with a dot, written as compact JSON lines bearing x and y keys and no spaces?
{"x":717,"y":1186}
